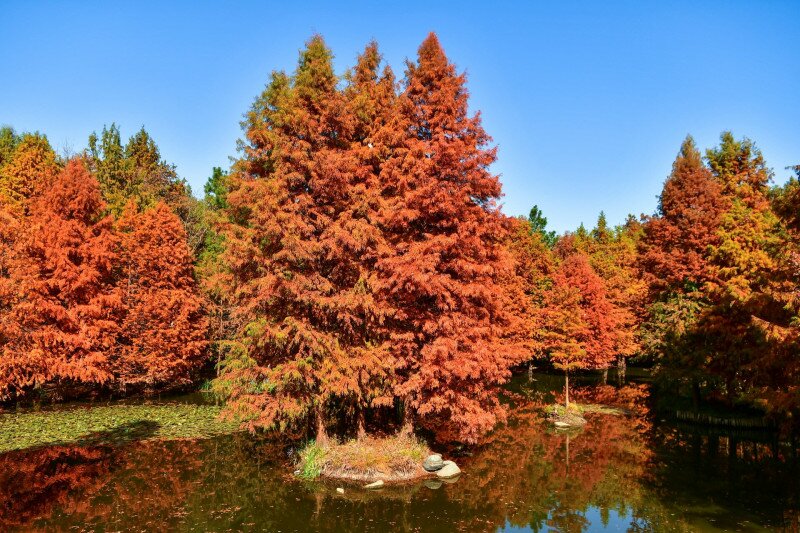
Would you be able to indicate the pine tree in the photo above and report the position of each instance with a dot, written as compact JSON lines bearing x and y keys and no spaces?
{"x":538,"y":224}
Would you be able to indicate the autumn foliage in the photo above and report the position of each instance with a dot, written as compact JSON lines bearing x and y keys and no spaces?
{"x":367,"y":252}
{"x":87,"y":302}
{"x":354,"y":271}
{"x":163,"y":333}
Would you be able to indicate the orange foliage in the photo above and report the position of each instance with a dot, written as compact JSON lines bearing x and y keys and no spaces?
{"x":674,"y":248}
{"x":66,"y":308}
{"x":83,"y":307}
{"x":162,"y":336}
{"x":30,"y":171}
{"x":365,"y":271}
{"x":580,"y":317}
{"x":453,"y":326}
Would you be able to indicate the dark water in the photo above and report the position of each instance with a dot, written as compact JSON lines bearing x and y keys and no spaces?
{"x":619,"y":473}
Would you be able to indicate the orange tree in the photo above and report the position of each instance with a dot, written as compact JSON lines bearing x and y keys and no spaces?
{"x":163,"y":335}
{"x":67,"y":307}
{"x":452,"y":328}
{"x":581,"y":325}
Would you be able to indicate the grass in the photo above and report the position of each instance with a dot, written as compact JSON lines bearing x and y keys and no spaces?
{"x":312,"y":460}
{"x":392,"y":458}
{"x":110,"y":424}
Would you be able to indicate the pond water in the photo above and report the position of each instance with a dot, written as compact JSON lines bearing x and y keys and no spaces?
{"x":619,"y":473}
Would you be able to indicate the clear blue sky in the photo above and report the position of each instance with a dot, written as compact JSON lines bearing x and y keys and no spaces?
{"x":588,"y":102}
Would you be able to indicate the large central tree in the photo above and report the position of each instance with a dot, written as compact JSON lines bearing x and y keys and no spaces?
{"x":367,"y":251}
{"x":451,"y":327}
{"x":300,"y":233}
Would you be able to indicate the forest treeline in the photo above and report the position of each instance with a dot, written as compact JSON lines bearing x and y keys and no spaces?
{"x":353,"y":268}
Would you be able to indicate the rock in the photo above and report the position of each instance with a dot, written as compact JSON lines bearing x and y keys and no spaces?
{"x":449,"y":469}
{"x":340,"y":490}
{"x":296,"y":472}
{"x":433,"y":463}
{"x":374,"y":485}
{"x":559,"y":424}
{"x":451,"y":480}
{"x":433,"y":483}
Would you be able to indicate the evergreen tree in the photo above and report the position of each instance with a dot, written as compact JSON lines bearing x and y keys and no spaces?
{"x":538,"y":224}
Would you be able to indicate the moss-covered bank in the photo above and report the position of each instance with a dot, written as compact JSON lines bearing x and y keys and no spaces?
{"x":110,"y":424}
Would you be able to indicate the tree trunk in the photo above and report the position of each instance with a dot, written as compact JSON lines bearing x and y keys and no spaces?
{"x":605,"y":376}
{"x":408,"y":419}
{"x":622,"y":367}
{"x":362,"y":431}
{"x":322,"y":433}
{"x":695,"y":394}
{"x":566,"y":390}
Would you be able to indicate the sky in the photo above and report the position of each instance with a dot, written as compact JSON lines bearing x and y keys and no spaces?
{"x":587,"y":102}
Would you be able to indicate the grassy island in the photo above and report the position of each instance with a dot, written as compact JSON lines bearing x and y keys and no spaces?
{"x":393,"y":458}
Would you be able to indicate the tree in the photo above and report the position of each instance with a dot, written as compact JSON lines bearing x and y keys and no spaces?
{"x":451,"y":328}
{"x":67,"y":309}
{"x":674,"y":246}
{"x":163,"y":335}
{"x":29,"y":171}
{"x":581,"y":320}
{"x":612,"y":254}
{"x":370,"y":100}
{"x":8,"y":143}
{"x":301,"y":300}
{"x":744,"y":261}
{"x":533,"y":270}
{"x":538,"y":224}
{"x":674,"y":257}
{"x":216,"y":189}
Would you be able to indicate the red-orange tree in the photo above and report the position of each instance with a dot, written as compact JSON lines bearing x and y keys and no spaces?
{"x":674,"y":247}
{"x":451,"y":327}
{"x":581,"y":327}
{"x":67,"y":308}
{"x":298,"y":237}
{"x":163,"y":335}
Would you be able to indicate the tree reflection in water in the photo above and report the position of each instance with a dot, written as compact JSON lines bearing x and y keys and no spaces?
{"x":620,"y":472}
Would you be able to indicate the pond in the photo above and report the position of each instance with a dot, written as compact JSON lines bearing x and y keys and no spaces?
{"x":621,"y":472}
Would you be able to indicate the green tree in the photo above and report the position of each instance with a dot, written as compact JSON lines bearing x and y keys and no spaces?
{"x":538,"y":224}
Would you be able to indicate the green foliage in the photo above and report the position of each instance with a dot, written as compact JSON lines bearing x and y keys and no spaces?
{"x":216,"y":189}
{"x":311,"y":460}
{"x":136,"y":171}
{"x":110,"y":424}
{"x":538,"y":224}
{"x":8,"y":143}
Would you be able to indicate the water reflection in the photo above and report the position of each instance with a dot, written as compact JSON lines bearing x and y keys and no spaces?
{"x":619,"y":473}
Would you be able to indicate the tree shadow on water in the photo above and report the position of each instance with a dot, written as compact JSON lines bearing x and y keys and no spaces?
{"x":121,"y":434}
